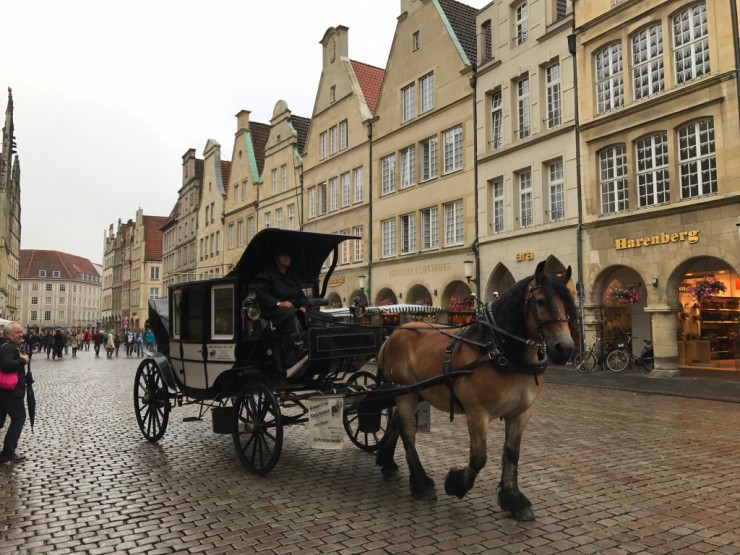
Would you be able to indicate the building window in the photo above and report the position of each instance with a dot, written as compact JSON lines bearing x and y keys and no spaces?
{"x":357,"y":232}
{"x":154,"y":292}
{"x":34,"y":315}
{"x":552,"y":84}
{"x":652,"y":170}
{"x":213,"y":211}
{"x":274,"y":182}
{"x":244,"y":191}
{"x":452,"y":154}
{"x":279,"y":218}
{"x":430,"y":228}
{"x":525,"y":199}
{"x":561,"y":9}
{"x":333,"y":194}
{"x":47,"y":300}
{"x":322,"y":199}
{"x":154,"y":272}
{"x":250,"y":228}
{"x":236,"y":193}
{"x":415,"y":41}
{"x":426,"y":93}
{"x":408,"y":167}
{"x":453,"y":223}
{"x":486,"y":41}
{"x":284,"y":177}
{"x":291,"y":216}
{"x":497,"y":210}
{"x":240,"y":233}
{"x":56,"y":274}
{"x":690,"y":43}
{"x":429,"y":159}
{"x":522,"y":103}
{"x":34,"y":287}
{"x":312,"y":202}
{"x":343,"y":139}
{"x":557,"y":191}
{"x":388,"y":233}
{"x":613,"y":179}
{"x":62,"y":287}
{"x":49,"y":287}
{"x":322,"y":145}
{"x":697,"y":164}
{"x":34,"y":300}
{"x":408,"y":109}
{"x":333,"y":140}
{"x":332,"y":94}
{"x":497,"y":119}
{"x":609,"y":80}
{"x":345,"y":189}
{"x":408,"y":233}
{"x":388,"y":174}
{"x":47,"y":315}
{"x":647,"y":62}
{"x":345,"y":249}
{"x":231,"y":236}
{"x":42,"y":273}
{"x":268,"y":219}
{"x":359,"y":193}
{"x":521,"y":21}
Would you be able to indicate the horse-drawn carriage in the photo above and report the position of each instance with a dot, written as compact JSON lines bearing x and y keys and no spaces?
{"x":216,"y":350}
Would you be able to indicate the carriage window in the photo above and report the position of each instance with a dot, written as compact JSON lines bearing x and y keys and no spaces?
{"x":222,"y":311}
{"x":192,"y":309}
{"x":176,"y":300}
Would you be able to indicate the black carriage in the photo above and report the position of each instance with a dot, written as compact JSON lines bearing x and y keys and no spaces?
{"x":216,"y":350}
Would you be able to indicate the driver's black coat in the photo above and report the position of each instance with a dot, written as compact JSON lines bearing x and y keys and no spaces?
{"x":272,"y":287}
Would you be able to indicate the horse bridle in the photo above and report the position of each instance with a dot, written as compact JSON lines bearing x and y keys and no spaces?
{"x":539,"y":324}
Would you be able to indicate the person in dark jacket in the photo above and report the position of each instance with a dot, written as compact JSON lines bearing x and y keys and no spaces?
{"x":283,"y":301}
{"x":59,"y":342}
{"x":97,"y":342}
{"x":48,"y":342}
{"x":12,"y":401}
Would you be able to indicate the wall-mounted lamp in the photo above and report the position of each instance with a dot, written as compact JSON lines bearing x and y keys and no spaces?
{"x":363,"y":282}
{"x":468,"y":270}
{"x":654,"y":281}
{"x":435,"y":292}
{"x":400,"y":295}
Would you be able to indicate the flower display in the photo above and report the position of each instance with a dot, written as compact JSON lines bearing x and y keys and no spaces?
{"x":458,"y":303}
{"x":423,"y":301}
{"x":704,"y":288}
{"x":385,"y":302}
{"x":629,"y":294}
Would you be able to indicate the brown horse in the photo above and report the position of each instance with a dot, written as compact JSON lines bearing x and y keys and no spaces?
{"x":495,"y":371}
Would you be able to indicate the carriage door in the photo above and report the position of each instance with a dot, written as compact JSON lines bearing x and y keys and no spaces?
{"x":193,"y":337}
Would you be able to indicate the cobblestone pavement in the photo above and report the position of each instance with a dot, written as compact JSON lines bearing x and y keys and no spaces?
{"x":607,"y":472}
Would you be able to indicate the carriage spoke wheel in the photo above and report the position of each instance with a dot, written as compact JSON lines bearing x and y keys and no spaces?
{"x":617,"y":360}
{"x":584,"y":361}
{"x":258,"y":434}
{"x":366,"y":437}
{"x":151,"y":401}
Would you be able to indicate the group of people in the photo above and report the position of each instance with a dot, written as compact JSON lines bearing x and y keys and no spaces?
{"x":57,"y":343}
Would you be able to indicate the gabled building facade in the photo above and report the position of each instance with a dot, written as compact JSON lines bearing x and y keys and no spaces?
{"x":337,"y":159}
{"x":146,"y":269}
{"x":10,"y":217}
{"x":210,"y":214}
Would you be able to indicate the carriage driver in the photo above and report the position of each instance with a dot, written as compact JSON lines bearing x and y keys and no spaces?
{"x":280,"y":296}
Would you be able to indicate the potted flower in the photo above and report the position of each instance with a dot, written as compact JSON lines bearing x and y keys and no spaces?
{"x":704,"y":288}
{"x":629,"y":294}
{"x":460,"y":310}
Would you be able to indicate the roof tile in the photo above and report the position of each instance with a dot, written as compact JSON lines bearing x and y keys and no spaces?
{"x":370,"y":79}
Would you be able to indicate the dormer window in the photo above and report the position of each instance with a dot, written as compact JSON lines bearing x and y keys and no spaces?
{"x":42,"y":273}
{"x":56,"y":274}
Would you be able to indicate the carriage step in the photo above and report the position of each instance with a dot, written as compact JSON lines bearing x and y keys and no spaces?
{"x":192,"y":419}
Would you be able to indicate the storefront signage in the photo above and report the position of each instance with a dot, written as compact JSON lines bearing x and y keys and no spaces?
{"x":522,"y":256}
{"x":691,"y":237}
{"x":421,"y":269}
{"x":336,"y":281}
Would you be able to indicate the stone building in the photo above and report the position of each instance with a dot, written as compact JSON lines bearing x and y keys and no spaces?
{"x":58,"y":289}
{"x":10,"y":217}
{"x":210,"y":215}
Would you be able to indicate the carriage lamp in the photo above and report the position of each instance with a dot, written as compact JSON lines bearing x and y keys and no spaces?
{"x":468,"y":271}
{"x":362,"y":280}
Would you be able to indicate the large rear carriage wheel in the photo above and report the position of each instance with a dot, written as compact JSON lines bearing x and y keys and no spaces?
{"x":151,"y":401}
{"x":365,"y":430}
{"x":258,"y":431}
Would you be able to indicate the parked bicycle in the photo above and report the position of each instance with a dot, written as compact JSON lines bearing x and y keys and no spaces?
{"x":586,"y":361}
{"x":622,"y":357}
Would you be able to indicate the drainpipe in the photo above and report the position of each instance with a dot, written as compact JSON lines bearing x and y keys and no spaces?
{"x":474,"y":246}
{"x":736,"y":42}
{"x":370,"y":210}
{"x":580,"y":292}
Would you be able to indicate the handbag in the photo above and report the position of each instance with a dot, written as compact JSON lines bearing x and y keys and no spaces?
{"x":8,"y":380}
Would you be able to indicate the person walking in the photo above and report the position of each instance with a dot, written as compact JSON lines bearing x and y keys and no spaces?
{"x":97,"y":339}
{"x":110,"y":345}
{"x":129,"y":342}
{"x":74,"y":344}
{"x":12,"y":401}
{"x":58,"y":344}
{"x":139,"y":344}
{"x":117,"y":341}
{"x":149,"y":339}
{"x":48,"y":343}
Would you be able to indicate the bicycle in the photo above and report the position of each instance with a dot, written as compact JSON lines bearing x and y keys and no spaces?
{"x":586,"y":361}
{"x":621,"y":357}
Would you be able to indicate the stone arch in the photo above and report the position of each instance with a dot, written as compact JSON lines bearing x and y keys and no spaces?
{"x":419,"y":294}
{"x":334,"y":300}
{"x":385,"y":296}
{"x":692,"y":265}
{"x":500,"y":279}
{"x":454,"y":288}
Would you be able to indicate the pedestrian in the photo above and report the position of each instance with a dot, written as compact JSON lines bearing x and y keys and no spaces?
{"x":129,"y":342}
{"x":110,"y":345}
{"x":58,"y":344}
{"x":67,"y":344}
{"x":88,"y":338}
{"x":117,"y":342}
{"x":97,"y":340}
{"x":12,"y":401}
{"x":74,"y":343}
{"x":48,"y":342}
{"x":149,"y":339}
{"x":139,"y":344}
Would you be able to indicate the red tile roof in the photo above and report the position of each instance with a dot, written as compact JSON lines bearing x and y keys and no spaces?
{"x":301,"y":125}
{"x":225,"y":171}
{"x":260,"y":134}
{"x":153,"y":236}
{"x":370,"y":79}
{"x":174,"y":213}
{"x":69,"y":266}
{"x":462,"y":20}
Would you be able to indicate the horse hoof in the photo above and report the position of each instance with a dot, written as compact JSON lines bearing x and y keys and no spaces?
{"x":455,"y":484}
{"x":423,"y":489}
{"x":524,"y":515}
{"x":390,"y":474}
{"x":426,"y":495}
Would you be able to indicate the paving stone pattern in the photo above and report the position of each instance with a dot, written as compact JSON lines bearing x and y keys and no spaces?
{"x":607,"y":472}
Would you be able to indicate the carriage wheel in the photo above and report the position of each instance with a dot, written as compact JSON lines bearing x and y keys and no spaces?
{"x":258,"y":435}
{"x":365,"y":431}
{"x":584,"y":361}
{"x":151,"y":401}
{"x":617,"y":360}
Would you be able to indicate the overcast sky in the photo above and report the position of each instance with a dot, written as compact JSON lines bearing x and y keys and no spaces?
{"x":110,"y":94}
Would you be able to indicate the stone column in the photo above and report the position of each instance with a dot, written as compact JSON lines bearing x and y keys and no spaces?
{"x":665,"y":346}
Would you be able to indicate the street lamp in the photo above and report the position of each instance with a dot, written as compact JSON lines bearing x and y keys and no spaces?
{"x":468,"y":271}
{"x":362,"y":280}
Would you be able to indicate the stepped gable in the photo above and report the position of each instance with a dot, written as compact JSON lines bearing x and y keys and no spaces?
{"x":260,"y":133}
{"x":462,"y":20}
{"x":370,"y":79}
{"x":68,"y":265}
{"x":301,"y":125}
